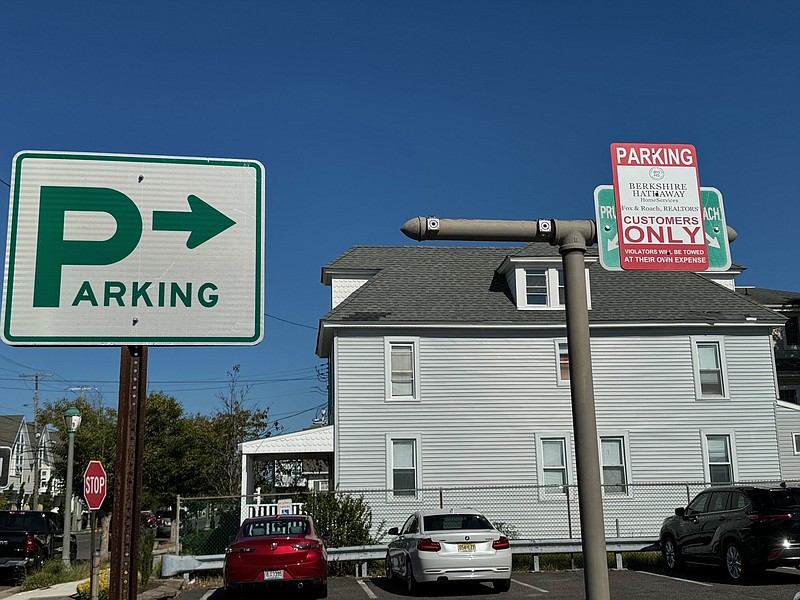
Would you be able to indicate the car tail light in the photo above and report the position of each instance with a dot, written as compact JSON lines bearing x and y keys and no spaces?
{"x":30,"y":543}
{"x":238,"y":550}
{"x":501,"y":543}
{"x":309,"y":545}
{"x":758,"y":518}
{"x":428,"y":545}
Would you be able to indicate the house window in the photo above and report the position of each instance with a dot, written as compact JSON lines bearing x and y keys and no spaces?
{"x":562,"y":357}
{"x":19,"y":456}
{"x":612,"y":458}
{"x":788,"y":394}
{"x":544,"y":287}
{"x":402,"y":369}
{"x":404,"y":470}
{"x":719,"y":459}
{"x":796,"y":442}
{"x":554,"y":465}
{"x":709,"y":367}
{"x":793,"y":332}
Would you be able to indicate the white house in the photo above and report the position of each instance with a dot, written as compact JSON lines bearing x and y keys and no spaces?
{"x":17,"y":434}
{"x":450,"y":383}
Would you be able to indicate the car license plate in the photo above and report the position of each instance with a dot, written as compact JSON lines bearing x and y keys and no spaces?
{"x":466,"y":547}
{"x":273,"y":574}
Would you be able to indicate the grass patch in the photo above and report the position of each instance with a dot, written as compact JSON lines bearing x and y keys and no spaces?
{"x":55,"y":571}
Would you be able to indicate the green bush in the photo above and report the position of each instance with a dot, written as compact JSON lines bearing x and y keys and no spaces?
{"x":52,"y":572}
{"x":146,"y":542}
{"x":344,"y":520}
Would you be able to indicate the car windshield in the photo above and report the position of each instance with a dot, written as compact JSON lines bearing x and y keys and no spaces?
{"x":452,"y":521}
{"x":276,"y":527}
{"x":781,"y":499}
{"x":19,"y":521}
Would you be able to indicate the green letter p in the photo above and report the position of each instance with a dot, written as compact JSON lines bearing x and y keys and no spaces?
{"x":53,"y":251}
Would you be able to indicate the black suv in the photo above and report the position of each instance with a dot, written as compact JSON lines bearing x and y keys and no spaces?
{"x":744,"y":528}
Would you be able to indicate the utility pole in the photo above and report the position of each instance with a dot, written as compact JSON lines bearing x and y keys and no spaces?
{"x":37,"y":480}
{"x":572,"y":239}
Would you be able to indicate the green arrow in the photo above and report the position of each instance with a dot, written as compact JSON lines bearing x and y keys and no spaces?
{"x":203,"y":221}
{"x":719,"y":257}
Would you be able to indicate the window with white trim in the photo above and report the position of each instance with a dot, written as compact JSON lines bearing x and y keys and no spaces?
{"x":19,"y":456}
{"x":796,"y":442}
{"x":402,"y":369}
{"x":719,"y":458}
{"x":562,"y":362}
{"x":403,"y":465}
{"x":554,"y":465}
{"x":544,"y":287}
{"x":709,"y":367}
{"x":614,"y":465}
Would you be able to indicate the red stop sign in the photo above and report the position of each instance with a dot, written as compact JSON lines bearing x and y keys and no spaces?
{"x":95,"y":484}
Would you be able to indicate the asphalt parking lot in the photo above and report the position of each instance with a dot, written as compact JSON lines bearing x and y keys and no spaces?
{"x":694,"y":583}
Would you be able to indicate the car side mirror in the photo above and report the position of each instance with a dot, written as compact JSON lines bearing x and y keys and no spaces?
{"x":393,"y":531}
{"x":680,"y":511}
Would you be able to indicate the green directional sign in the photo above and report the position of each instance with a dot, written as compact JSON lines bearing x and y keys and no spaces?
{"x":719,"y":255}
{"x":108,"y":249}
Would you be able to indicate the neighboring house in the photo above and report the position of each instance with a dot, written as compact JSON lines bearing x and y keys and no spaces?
{"x":18,"y":434}
{"x":449,"y":367}
{"x":787,"y":366}
{"x":293,"y":460}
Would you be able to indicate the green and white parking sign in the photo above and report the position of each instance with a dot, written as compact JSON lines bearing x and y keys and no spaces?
{"x":109,"y":249}
{"x":716,"y":230}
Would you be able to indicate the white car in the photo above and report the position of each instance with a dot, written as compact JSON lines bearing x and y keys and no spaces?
{"x":449,"y":545}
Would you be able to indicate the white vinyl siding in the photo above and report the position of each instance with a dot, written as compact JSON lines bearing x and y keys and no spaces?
{"x":503,"y":384}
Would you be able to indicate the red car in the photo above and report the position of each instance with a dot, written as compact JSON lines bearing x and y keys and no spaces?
{"x":277,"y":552}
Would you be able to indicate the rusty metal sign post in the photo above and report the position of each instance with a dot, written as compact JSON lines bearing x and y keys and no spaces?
{"x":128,"y":473}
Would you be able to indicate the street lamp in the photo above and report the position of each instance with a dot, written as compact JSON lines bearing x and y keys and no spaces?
{"x":72,"y":420}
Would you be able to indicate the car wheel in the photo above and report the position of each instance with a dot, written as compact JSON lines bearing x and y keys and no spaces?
{"x":502,"y":585}
{"x":736,"y":566}
{"x":671,"y":553}
{"x":321,"y":591}
{"x":389,"y":573}
{"x":411,"y":582}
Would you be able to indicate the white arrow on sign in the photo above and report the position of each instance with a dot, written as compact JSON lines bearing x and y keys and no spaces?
{"x":716,"y":229}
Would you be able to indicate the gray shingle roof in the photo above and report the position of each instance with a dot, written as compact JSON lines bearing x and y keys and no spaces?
{"x":9,"y":428}
{"x":772,"y":298}
{"x":451,"y":285}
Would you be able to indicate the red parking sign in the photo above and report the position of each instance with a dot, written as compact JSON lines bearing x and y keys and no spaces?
{"x":660,"y":216}
{"x":95,"y":484}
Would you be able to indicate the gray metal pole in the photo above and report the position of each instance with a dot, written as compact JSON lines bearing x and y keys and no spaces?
{"x":572,"y":237}
{"x":590,"y":496}
{"x":65,"y":545}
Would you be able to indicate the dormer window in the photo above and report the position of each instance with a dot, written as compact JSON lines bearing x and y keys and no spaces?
{"x":544,"y":287}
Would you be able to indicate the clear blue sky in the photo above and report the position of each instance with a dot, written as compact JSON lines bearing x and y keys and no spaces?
{"x":368,"y":113}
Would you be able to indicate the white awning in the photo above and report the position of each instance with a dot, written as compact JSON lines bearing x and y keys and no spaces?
{"x":310,"y":441}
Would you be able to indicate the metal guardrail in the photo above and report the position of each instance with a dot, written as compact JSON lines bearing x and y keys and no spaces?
{"x":175,"y":565}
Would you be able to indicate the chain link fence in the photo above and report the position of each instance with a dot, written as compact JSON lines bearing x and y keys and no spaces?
{"x":207,"y":525}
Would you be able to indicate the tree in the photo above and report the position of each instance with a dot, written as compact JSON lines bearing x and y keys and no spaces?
{"x":233,"y":424}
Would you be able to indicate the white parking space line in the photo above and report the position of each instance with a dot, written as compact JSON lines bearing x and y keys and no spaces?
{"x":367,"y":591}
{"x":528,"y":585}
{"x":207,"y":594}
{"x":676,"y":578}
